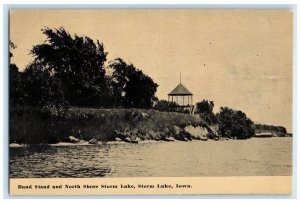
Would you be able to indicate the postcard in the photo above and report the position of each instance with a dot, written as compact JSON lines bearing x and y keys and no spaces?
{"x":150,"y":101}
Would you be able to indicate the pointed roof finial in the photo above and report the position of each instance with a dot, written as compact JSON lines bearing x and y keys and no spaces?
{"x":180,"y":77}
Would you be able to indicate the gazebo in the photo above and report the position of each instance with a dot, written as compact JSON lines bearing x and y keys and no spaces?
{"x":182,"y":96}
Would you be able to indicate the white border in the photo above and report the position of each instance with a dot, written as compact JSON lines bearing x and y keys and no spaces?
{"x":147,"y":3}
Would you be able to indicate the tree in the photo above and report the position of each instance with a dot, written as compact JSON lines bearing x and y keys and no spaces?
{"x":11,"y":46}
{"x":73,"y":65}
{"x":40,"y":88}
{"x":205,"y":106}
{"x":233,"y":123}
{"x":131,"y":87}
{"x":15,"y":80}
{"x":205,"y":110}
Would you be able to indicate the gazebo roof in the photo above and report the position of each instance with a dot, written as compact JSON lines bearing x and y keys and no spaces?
{"x":180,"y":90}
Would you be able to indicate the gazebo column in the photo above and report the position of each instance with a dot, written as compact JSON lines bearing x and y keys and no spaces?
{"x":183,"y":100}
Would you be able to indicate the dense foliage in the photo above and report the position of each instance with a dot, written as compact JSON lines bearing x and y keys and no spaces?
{"x":69,"y":71}
{"x":73,"y":67}
{"x":131,"y":87}
{"x":233,"y":123}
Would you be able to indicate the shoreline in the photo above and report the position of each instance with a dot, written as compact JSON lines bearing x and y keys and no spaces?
{"x":14,"y":145}
{"x":65,"y":144}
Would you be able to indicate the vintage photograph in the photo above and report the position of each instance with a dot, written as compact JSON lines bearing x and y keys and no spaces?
{"x":150,"y":93}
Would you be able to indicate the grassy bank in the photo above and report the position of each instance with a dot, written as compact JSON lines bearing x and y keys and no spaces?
{"x":34,"y":125}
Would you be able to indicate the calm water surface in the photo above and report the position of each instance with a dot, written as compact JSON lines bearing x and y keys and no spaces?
{"x":253,"y":157}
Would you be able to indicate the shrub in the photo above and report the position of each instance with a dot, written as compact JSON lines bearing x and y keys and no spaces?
{"x":205,"y":110}
{"x":163,"y":105}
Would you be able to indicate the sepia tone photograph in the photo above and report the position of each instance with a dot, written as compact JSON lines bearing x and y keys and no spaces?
{"x":125,"y":93}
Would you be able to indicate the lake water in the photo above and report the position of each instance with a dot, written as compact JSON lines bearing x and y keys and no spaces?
{"x":253,"y":157}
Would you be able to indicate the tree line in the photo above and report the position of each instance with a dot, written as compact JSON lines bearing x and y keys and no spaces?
{"x":264,"y":127}
{"x":70,"y":70}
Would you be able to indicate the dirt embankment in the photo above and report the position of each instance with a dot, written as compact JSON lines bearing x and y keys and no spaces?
{"x":89,"y":126}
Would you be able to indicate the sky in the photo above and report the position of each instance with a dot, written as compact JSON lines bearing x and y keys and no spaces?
{"x":242,"y":59}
